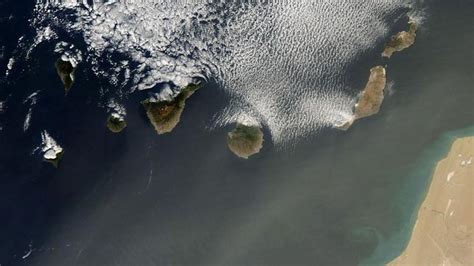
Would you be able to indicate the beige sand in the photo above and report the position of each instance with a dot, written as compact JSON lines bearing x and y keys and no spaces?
{"x":443,"y":233}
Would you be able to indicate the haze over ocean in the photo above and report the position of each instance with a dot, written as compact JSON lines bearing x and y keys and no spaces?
{"x":314,"y":195}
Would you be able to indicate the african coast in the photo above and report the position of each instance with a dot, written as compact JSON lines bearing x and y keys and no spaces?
{"x":443,"y":233}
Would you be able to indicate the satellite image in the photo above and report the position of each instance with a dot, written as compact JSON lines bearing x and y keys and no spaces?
{"x":235,"y":133}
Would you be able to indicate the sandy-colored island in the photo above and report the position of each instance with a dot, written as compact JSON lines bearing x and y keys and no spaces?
{"x":401,"y":40}
{"x":371,"y":98}
{"x":246,"y":139}
{"x":65,"y":71}
{"x":164,"y":115}
{"x":444,"y":231}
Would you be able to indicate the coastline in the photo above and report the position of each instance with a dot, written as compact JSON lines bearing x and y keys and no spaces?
{"x":411,"y":196}
{"x":443,"y":231}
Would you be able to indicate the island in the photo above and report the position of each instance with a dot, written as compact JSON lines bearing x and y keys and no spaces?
{"x":444,"y":230}
{"x":164,"y":114}
{"x":371,"y":98}
{"x":66,"y":71}
{"x":116,"y":123}
{"x":246,"y":139}
{"x":401,"y":40}
{"x":52,"y":152}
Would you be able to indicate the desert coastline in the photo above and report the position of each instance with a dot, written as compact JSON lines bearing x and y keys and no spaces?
{"x":443,"y":232}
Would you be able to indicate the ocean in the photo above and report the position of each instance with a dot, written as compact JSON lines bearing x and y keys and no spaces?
{"x":319,"y":196}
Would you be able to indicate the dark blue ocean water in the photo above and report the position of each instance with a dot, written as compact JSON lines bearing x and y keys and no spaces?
{"x":183,"y":199}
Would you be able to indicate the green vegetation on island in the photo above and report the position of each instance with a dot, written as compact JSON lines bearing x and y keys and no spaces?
{"x":65,"y":71}
{"x":164,"y":115}
{"x":401,"y":40}
{"x":245,"y":140}
{"x":116,"y":123}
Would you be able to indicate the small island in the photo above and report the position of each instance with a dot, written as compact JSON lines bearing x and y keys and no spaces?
{"x":164,"y":114}
{"x":116,"y":123}
{"x":444,"y":230}
{"x":371,"y":98}
{"x":66,"y":71}
{"x":246,"y":139}
{"x":52,"y":152}
{"x":401,"y":40}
